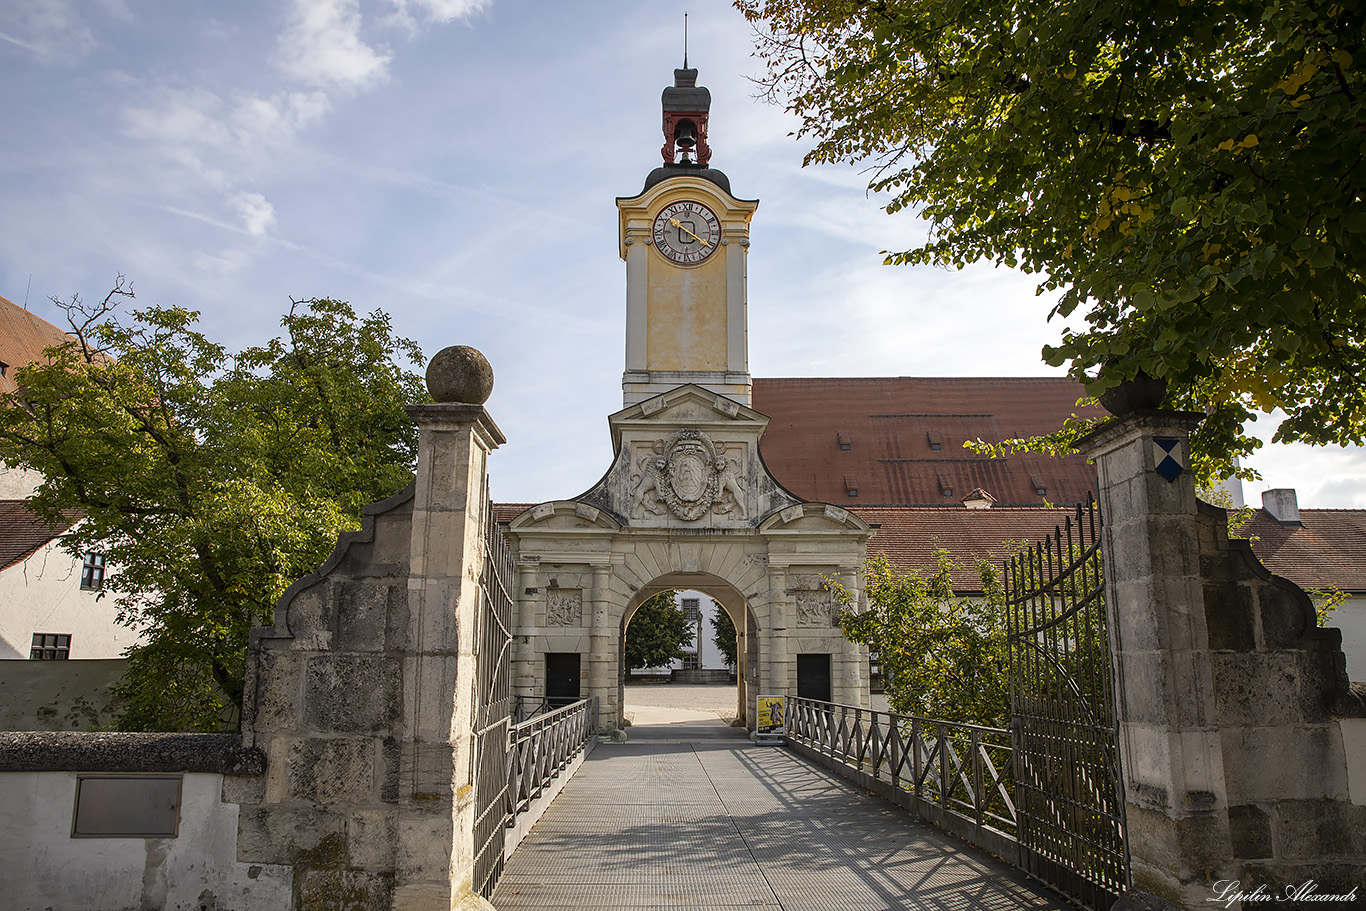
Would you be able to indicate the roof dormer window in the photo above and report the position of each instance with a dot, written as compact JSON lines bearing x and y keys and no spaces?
{"x":845,"y":443}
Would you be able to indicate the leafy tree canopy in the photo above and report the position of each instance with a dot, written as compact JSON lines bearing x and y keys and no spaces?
{"x":657,"y":633}
{"x":943,"y":656}
{"x":211,"y":481}
{"x":1189,"y":178}
{"x":724,"y":636}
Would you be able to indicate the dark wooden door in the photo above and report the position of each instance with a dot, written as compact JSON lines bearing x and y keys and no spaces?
{"x":561,"y":678}
{"x":813,"y":677}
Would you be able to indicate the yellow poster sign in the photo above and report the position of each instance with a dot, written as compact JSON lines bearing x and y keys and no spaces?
{"x":769,"y":715}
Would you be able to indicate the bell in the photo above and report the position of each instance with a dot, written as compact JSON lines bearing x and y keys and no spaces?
{"x":686,"y":139}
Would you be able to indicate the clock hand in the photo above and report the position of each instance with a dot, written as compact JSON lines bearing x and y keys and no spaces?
{"x":679,"y":226}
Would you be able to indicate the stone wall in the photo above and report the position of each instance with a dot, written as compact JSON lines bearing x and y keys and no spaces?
{"x":42,"y":866}
{"x":1232,"y":703}
{"x":1281,"y":693}
{"x":71,"y":695}
{"x":325,"y":705}
{"x":362,"y":695}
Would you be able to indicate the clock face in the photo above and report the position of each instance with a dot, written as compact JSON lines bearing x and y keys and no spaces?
{"x":687,"y":232}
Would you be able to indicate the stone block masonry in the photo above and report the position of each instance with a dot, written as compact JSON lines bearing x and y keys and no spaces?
{"x":361,"y":695}
{"x":1232,"y":701}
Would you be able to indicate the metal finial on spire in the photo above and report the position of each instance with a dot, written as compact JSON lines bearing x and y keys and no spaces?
{"x":685,"y":41}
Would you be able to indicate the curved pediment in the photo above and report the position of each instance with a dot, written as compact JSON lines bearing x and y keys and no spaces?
{"x":561,"y":515}
{"x":814,"y":517}
{"x":688,"y":458}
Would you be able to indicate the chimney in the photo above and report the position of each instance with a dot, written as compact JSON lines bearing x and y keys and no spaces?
{"x":1282,"y":505}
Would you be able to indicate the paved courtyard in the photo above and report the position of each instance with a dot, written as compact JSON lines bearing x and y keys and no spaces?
{"x":690,"y":814}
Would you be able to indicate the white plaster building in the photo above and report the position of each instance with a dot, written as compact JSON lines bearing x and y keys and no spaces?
{"x":52,"y":606}
{"x":703,"y":654}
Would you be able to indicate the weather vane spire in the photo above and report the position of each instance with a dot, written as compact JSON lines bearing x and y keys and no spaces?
{"x":685,"y":41}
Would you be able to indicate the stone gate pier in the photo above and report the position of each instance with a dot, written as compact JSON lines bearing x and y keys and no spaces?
{"x":1242,"y":741}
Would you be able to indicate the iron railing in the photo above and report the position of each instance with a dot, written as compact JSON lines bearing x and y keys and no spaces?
{"x":1068,"y":789}
{"x":956,"y":774}
{"x":524,"y":707}
{"x":541,"y":748}
{"x":493,"y":705}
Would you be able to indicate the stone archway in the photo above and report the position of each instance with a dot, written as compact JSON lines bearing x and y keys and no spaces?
{"x":727,"y":599}
{"x":687,"y":503}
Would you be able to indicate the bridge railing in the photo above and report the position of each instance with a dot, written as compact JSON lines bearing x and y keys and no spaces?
{"x":541,"y":747}
{"x":958,"y":776}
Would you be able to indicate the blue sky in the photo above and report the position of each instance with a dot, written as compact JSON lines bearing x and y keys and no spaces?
{"x":454,"y":163}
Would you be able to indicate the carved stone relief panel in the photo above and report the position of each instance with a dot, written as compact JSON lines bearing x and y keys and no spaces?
{"x":815,"y":602}
{"x":564,"y":607}
{"x":689,"y":475}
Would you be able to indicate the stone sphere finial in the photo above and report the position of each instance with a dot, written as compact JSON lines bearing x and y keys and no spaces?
{"x":460,"y":374}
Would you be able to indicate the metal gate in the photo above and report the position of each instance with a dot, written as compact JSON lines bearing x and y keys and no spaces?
{"x":1068,"y":793}
{"x":493,"y":706}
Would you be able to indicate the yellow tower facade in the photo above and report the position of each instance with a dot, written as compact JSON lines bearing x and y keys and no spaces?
{"x":685,"y":240}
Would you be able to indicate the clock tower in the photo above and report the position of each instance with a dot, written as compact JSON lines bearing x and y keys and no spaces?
{"x":684,"y":239}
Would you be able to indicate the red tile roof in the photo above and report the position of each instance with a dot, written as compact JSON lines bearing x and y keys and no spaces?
{"x":23,"y":337}
{"x":892,"y":426}
{"x":1327,"y":550}
{"x":909,"y":536}
{"x":22,"y":533}
{"x":506,"y":512}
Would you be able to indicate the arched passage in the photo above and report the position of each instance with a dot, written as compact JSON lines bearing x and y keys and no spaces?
{"x":748,"y":636}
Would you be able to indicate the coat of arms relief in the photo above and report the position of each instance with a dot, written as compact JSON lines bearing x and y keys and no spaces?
{"x":688,"y":475}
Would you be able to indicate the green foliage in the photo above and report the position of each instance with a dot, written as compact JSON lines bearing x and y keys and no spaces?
{"x":1189,"y":179}
{"x":1326,"y":602}
{"x":723,"y":634}
{"x":943,"y":656}
{"x":210,"y":481}
{"x":657,"y":633}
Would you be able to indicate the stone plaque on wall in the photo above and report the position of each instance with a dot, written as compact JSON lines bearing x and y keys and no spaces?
{"x":127,"y":806}
{"x":564,"y":607}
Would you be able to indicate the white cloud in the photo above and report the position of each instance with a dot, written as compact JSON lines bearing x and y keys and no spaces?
{"x":439,"y":11}
{"x":322,"y":46}
{"x":256,"y":212}
{"x":278,"y":117}
{"x":180,"y":117}
{"x":52,"y":29}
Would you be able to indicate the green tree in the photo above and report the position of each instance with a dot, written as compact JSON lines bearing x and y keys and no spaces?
{"x":210,"y":481}
{"x":723,"y":634}
{"x":657,"y":633}
{"x":1189,"y":178}
{"x":943,"y":656}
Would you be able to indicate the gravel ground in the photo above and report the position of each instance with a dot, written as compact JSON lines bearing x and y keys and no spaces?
{"x":719,"y":699}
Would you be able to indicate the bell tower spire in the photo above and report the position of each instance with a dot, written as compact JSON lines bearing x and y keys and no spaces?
{"x":685,"y":240}
{"x":686,"y":106}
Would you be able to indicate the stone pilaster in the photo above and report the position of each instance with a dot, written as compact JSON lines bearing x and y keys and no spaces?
{"x":776,"y":673}
{"x":435,"y":824}
{"x":1175,"y":791}
{"x":603,"y":648}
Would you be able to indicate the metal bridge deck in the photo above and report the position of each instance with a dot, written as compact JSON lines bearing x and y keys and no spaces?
{"x":694,"y":816}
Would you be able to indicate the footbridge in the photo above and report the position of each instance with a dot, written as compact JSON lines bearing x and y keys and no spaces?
{"x":690,"y":814}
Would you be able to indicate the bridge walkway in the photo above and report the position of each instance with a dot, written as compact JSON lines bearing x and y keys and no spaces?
{"x":692,"y":815}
